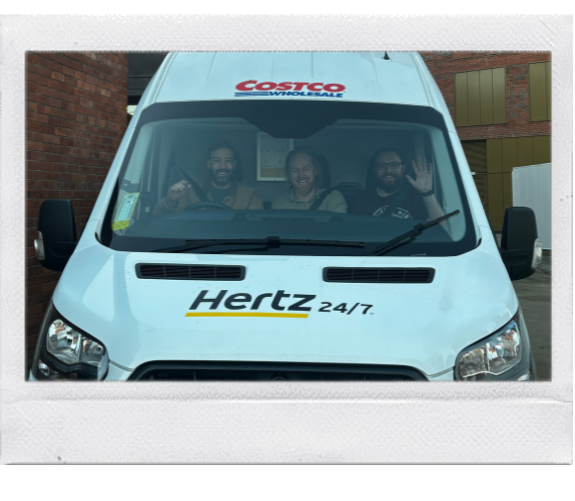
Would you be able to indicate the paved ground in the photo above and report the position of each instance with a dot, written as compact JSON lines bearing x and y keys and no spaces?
{"x":535,"y":297}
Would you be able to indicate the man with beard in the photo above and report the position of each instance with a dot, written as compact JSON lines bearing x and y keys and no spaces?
{"x":221,"y":186}
{"x":303,"y":171}
{"x":395,"y":194}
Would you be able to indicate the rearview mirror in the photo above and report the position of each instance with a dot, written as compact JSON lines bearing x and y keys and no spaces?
{"x":56,"y":234}
{"x":521,"y":250}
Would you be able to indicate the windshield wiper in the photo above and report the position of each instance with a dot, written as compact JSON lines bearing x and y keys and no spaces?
{"x":410,"y":235}
{"x":266,"y":243}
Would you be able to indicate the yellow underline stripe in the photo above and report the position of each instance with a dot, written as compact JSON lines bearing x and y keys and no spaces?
{"x":244,"y":314}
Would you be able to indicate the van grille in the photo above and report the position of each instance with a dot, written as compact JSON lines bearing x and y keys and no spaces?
{"x":271,"y":371}
{"x":379,"y":275}
{"x":189,"y":272}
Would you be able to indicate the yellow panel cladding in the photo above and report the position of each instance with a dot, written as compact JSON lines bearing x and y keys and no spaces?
{"x":481,"y":97}
{"x":508,"y":153}
{"x":538,"y":109}
{"x":524,"y":151}
{"x":499,"y":96}
{"x":548,"y":88}
{"x":486,"y":96}
{"x":541,"y":150}
{"x":473,"y":98}
{"x":494,"y":156}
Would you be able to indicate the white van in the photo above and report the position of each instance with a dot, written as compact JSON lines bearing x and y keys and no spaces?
{"x":287,"y":216}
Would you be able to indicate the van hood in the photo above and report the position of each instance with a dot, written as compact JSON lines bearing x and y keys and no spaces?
{"x":300,"y":318}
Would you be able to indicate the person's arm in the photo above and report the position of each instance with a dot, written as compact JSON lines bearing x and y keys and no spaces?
{"x":255,"y":202}
{"x":434,"y":210}
{"x":171,"y":202}
{"x":335,"y":202}
{"x":423,"y":183}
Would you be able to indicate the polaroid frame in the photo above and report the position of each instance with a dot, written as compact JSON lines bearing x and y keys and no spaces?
{"x":279,"y":168}
{"x":287,"y":422}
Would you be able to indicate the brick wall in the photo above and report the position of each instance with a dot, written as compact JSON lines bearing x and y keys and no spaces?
{"x":443,"y":66}
{"x":76,"y":117}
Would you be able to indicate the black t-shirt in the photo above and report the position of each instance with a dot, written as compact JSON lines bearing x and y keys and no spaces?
{"x":369,"y":202}
{"x":218,"y":195}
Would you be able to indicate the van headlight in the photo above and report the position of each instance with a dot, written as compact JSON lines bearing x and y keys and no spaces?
{"x":502,"y":356}
{"x":65,"y":352}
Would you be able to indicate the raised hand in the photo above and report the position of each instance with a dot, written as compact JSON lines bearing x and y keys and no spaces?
{"x":178,"y":190}
{"x":423,"y":176}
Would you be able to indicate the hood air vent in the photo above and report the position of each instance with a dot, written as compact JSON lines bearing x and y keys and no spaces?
{"x":190,"y":272}
{"x":379,"y":275}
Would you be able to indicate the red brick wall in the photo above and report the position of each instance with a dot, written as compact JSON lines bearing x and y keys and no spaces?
{"x":444,"y":65}
{"x":76,"y":117}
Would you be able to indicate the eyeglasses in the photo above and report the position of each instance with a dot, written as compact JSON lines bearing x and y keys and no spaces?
{"x":395,"y":166}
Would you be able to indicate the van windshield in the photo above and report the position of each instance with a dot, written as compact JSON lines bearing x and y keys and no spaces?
{"x":288,"y":177}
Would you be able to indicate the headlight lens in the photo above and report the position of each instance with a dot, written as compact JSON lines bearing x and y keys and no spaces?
{"x":494,"y":356}
{"x":71,"y":347}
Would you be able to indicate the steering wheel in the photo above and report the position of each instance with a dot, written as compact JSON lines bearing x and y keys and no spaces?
{"x":211,"y":205}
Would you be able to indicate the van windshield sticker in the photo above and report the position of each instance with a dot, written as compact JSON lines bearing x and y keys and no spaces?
{"x":304,"y":89}
{"x":125,"y":211}
{"x":285,"y":305}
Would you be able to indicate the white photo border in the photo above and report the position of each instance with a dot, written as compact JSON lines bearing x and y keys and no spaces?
{"x":287,"y":422}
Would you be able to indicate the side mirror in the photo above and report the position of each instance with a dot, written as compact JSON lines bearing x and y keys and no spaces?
{"x":521,"y":250}
{"x":56,"y":234}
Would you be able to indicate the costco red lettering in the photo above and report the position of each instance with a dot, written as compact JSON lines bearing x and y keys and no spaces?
{"x":266,"y":86}
{"x":244,"y":85}
{"x":299,"y":85}
{"x":314,"y":87}
{"x":334,"y":87}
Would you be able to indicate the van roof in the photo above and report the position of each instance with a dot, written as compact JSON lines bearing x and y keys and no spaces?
{"x":402,"y":78}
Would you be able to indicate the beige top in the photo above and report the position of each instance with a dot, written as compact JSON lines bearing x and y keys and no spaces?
{"x":334,"y":202}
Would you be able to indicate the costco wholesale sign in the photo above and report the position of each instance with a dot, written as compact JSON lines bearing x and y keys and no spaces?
{"x":314,"y":89}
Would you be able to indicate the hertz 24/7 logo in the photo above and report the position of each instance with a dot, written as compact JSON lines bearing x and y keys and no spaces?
{"x":285,"y":305}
